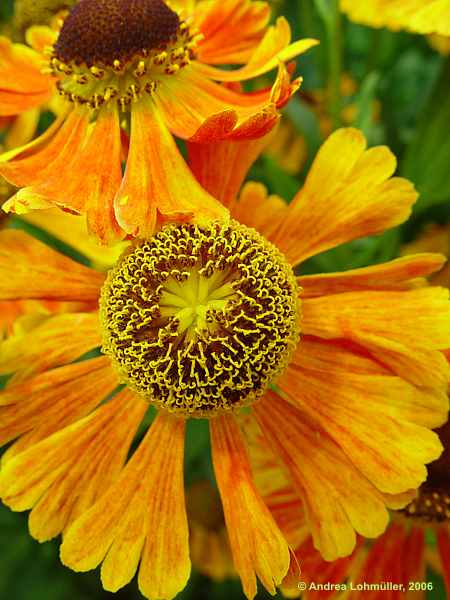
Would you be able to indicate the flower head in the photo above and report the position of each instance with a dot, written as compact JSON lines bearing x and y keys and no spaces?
{"x":347,"y":408}
{"x":130,"y":74}
{"x":399,"y":557}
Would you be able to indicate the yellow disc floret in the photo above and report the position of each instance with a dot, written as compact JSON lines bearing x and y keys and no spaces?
{"x":119,"y":50}
{"x":200,"y":320}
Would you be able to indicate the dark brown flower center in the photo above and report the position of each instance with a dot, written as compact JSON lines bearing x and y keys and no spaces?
{"x":100,"y":32}
{"x":200,"y":321}
{"x":433,"y":501}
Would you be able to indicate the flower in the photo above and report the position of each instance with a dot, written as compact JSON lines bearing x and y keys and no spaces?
{"x":398,"y":559}
{"x":421,"y":16}
{"x":203,"y":321}
{"x":152,"y":69}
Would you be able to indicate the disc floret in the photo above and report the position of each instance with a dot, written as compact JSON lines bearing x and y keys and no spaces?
{"x":201,"y":320}
{"x":119,"y":50}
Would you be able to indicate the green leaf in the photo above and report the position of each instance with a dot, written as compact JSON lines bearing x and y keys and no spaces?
{"x":427,"y":158}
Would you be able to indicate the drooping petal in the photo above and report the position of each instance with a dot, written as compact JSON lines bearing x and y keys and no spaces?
{"x":64,"y":474}
{"x":53,"y":341}
{"x":275,"y":47}
{"x":403,"y":330}
{"x":22,"y":84}
{"x":400,"y":274}
{"x":141,"y":517}
{"x":89,"y":182}
{"x":45,"y":403}
{"x":338,"y":499}
{"x":347,"y":195}
{"x":42,"y":273}
{"x":157,"y":181}
{"x":45,"y":156}
{"x":258,"y":547}
{"x":221,"y":167}
{"x":201,"y":110}
{"x":231,"y":30}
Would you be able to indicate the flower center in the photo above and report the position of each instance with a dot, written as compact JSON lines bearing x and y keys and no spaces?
{"x":200,"y":320}
{"x":119,"y":50}
{"x":433,"y":501}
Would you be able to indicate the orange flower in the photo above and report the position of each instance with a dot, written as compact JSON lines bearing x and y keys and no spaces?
{"x":396,"y":562}
{"x":204,"y":322}
{"x":153,"y":70}
{"x":421,"y":16}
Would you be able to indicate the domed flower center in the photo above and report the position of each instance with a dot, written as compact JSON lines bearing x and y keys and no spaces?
{"x":433,"y":501}
{"x":201,"y":320}
{"x":119,"y":50}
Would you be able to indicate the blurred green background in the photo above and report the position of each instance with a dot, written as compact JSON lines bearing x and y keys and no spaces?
{"x":397,"y":90}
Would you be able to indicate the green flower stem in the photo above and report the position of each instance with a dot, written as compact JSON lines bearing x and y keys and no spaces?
{"x":331,"y":16}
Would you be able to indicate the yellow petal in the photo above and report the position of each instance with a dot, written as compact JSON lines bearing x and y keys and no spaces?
{"x":142,"y":516}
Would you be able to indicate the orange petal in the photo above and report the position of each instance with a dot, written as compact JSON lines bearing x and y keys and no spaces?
{"x":45,"y":156}
{"x":347,"y":195}
{"x":365,"y":376}
{"x":54,"y":341}
{"x":257,"y":209}
{"x":221,"y":167}
{"x":257,"y":544}
{"x":403,"y":330}
{"x":274,"y":48}
{"x":90,"y":181}
{"x":64,"y":474}
{"x":42,"y":273}
{"x":338,"y":499}
{"x":399,"y":274}
{"x":231,"y":30}
{"x":22,"y":84}
{"x":201,"y":110}
{"x":141,"y":517}
{"x":372,"y":419}
{"x":48,"y":402}
{"x":157,"y":178}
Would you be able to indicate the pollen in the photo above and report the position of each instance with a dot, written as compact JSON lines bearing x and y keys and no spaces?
{"x":103,"y":31}
{"x":119,"y":50}
{"x":200,"y":321}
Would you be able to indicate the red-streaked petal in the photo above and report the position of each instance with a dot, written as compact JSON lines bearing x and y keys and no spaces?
{"x":232,"y":30}
{"x":258,"y":546}
{"x":158,"y":179}
{"x":347,"y":195}
{"x":400,"y":274}
{"x":40,"y":272}
{"x":403,"y":330}
{"x":275,"y":47}
{"x":221,"y":167}
{"x":141,"y":517}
